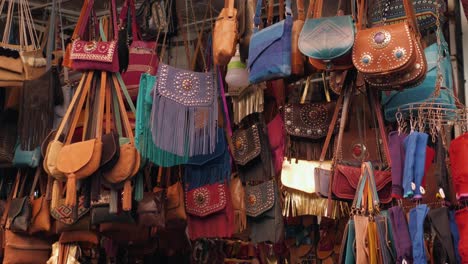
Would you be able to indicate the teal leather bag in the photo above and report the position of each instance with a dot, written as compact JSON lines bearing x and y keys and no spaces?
{"x":26,"y":158}
{"x":328,"y":41}
{"x":423,"y":93}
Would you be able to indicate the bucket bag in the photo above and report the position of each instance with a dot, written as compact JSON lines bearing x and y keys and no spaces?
{"x":385,"y":63}
{"x":270,"y":48}
{"x":225,"y":34}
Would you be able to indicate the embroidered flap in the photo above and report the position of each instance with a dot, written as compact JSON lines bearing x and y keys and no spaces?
{"x":263,"y":39}
{"x":247,"y":144}
{"x":309,"y":120}
{"x":260,"y":198}
{"x":101,"y":51}
{"x":206,"y":200}
{"x":65,"y":214}
{"x":73,"y":157}
{"x":185,"y":87}
{"x":327,"y":38}
{"x":384,"y":48}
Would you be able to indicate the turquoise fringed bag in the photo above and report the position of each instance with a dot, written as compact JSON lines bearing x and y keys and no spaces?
{"x":143,"y":137}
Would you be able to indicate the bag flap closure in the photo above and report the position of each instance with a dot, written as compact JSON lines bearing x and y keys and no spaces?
{"x":75,"y":156}
{"x":206,"y":200}
{"x":174,"y":193}
{"x":109,"y":147}
{"x":327,"y":38}
{"x":64,"y":213}
{"x":260,"y":198}
{"x":352,"y":174}
{"x":16,"y":207}
{"x":296,"y":174}
{"x":18,"y":241}
{"x":384,"y":48}
{"x":309,"y":120}
{"x":185,"y":87}
{"x":124,"y":167}
{"x":220,"y":150}
{"x":247,"y":144}
{"x":101,"y":51}
{"x":263,"y":39}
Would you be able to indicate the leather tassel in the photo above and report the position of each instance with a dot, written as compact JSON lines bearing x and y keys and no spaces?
{"x":240,"y":221}
{"x":70,"y":198}
{"x":127,"y":196}
{"x":55,"y":194}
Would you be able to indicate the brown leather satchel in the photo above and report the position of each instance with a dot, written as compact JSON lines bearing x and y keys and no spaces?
{"x":390,"y":56}
{"x":80,"y":160}
{"x":297,"y":58}
{"x":225,"y":34}
{"x":25,"y":249}
{"x":151,"y":209}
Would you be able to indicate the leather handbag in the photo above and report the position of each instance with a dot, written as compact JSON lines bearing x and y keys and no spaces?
{"x":209,"y":210}
{"x":40,"y":207}
{"x":151,"y":209}
{"x":225,"y":34}
{"x":175,"y":209}
{"x":24,"y":158}
{"x":25,"y":249}
{"x":387,"y":64}
{"x":264,"y":212}
{"x":270,"y":48}
{"x":153,"y":19}
{"x":142,"y":54}
{"x":431,"y":91}
{"x":69,"y":215}
{"x":80,"y":160}
{"x":95,"y":55}
{"x":246,"y":13}
{"x":297,"y":58}
{"x":295,"y":174}
{"x":19,"y":209}
{"x":427,"y":13}
{"x":327,"y":41}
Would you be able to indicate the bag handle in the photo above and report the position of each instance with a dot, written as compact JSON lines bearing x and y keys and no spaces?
{"x":229,"y":5}
{"x":129,"y":6}
{"x":37,"y":174}
{"x":300,"y":10}
{"x":121,"y":106}
{"x":258,"y":13}
{"x":85,"y":20}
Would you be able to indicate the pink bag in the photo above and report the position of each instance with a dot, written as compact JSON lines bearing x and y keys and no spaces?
{"x":276,"y":137}
{"x":95,"y":55}
{"x":143,"y":57}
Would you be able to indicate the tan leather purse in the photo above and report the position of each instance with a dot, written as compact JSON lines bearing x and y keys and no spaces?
{"x":297,"y":58}
{"x":225,"y":34}
{"x":175,"y":209}
{"x":390,"y":57}
{"x":80,"y":160}
{"x":238,"y":205}
{"x":55,"y":145}
{"x":128,"y":163}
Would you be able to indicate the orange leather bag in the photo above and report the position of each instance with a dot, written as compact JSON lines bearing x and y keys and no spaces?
{"x":80,"y":160}
{"x":390,"y":57}
{"x":225,"y":34}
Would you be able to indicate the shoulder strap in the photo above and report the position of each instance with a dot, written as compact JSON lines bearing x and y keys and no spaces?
{"x":310,"y":9}
{"x":300,"y":10}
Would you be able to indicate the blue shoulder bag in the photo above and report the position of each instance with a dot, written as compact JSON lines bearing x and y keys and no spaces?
{"x":270,"y":48}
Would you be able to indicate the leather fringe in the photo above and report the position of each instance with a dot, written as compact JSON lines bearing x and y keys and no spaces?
{"x":297,"y":203}
{"x":240,"y":221}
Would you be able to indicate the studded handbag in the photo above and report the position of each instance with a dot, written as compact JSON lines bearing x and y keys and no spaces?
{"x":210,"y":212}
{"x":264,"y":212}
{"x":252,"y":152}
{"x":185,"y":111}
{"x":327,"y":41}
{"x":386,"y":63}
{"x":270,"y":48}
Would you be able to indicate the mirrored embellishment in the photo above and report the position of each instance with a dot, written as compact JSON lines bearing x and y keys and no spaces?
{"x":297,"y":130}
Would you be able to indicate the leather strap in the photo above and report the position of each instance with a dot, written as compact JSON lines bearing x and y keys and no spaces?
{"x":79,"y":107}
{"x":374,"y":102}
{"x":126,"y":122}
{"x":318,"y":8}
{"x":229,"y":4}
{"x":258,"y":13}
{"x":300,"y":10}
{"x":270,"y":12}
{"x":281,"y":10}
{"x":310,"y":9}
{"x":331,"y":128}
{"x":347,"y":97}
{"x":10,"y":197}
{"x":100,"y":107}
{"x":85,"y":19}
{"x":37,"y":174}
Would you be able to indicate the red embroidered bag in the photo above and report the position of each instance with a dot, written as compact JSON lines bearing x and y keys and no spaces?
{"x":210,"y":212}
{"x":142,"y":57}
{"x":95,"y":55}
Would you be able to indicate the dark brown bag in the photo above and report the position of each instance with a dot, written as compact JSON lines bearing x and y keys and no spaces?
{"x":40,"y":220}
{"x":151,"y":209}
{"x":19,"y":211}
